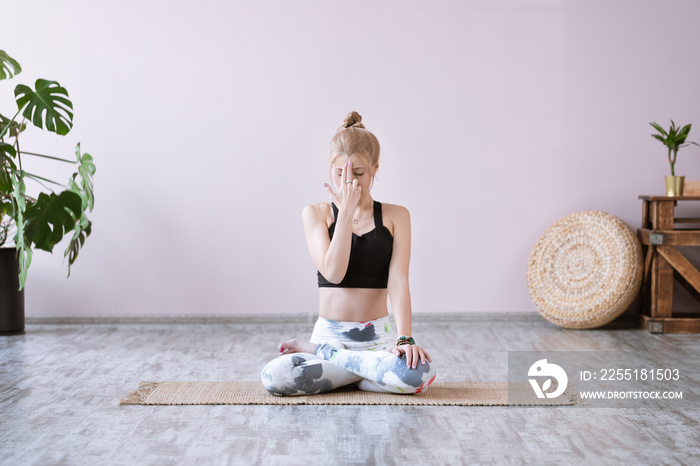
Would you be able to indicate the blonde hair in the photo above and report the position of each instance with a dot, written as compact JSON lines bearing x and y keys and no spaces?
{"x":352,"y":138}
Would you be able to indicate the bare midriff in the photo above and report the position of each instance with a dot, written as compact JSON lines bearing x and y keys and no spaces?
{"x":353,"y":304}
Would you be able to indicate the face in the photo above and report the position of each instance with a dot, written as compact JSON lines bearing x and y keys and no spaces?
{"x":361,"y":171}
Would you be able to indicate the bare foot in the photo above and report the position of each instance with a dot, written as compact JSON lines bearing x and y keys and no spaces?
{"x":295,"y":345}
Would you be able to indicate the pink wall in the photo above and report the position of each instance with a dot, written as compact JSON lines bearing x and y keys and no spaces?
{"x":210,"y":120}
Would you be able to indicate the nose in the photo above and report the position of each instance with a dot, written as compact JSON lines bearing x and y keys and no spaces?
{"x":348,"y":176}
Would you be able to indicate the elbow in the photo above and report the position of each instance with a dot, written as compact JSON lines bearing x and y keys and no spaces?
{"x":335,"y":279}
{"x":334,"y":276}
{"x":333,"y":269}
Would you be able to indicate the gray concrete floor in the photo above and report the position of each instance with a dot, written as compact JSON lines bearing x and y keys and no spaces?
{"x":60,"y":384}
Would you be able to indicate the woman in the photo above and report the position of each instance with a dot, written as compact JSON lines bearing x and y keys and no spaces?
{"x":361,"y":249}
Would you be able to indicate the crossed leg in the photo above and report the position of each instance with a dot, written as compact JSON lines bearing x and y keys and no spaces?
{"x":380,"y":370}
{"x":303,"y":373}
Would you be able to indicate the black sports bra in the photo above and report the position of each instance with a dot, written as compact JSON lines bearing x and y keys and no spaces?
{"x":369,"y":256}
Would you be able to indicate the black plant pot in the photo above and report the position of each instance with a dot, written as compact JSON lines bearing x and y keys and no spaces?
{"x":11,"y":300}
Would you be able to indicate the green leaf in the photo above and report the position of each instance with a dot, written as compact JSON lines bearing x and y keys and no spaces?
{"x":23,"y":245}
{"x":46,"y":106}
{"x":660,"y":138}
{"x":51,"y":217}
{"x":8,"y":66}
{"x":5,"y":208}
{"x":83,"y":226}
{"x":15,"y":128}
{"x":672,"y":133}
{"x":658,"y":128}
{"x":8,"y":149}
{"x":7,"y":167}
{"x":86,"y":170}
{"x":75,"y":188}
{"x":683,"y":134}
{"x":82,"y":230}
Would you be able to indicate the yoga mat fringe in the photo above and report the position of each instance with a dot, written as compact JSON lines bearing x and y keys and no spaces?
{"x":137,"y":397}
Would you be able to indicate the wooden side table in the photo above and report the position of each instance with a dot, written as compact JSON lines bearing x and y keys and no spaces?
{"x":663,"y":264}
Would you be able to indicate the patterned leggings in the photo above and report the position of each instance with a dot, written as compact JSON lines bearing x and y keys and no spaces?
{"x":348,"y":353}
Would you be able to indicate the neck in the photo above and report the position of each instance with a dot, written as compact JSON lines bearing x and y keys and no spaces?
{"x":365,"y":205}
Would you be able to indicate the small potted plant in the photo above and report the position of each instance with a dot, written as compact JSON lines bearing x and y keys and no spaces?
{"x":673,"y":139}
{"x":41,"y":222}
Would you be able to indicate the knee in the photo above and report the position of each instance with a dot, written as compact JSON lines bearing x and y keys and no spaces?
{"x":293,"y":374}
{"x":408,"y":379}
{"x":268,"y":378}
{"x":277,"y":376}
{"x":427,"y":379}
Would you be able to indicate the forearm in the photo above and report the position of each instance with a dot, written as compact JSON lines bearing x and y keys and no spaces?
{"x":337,"y":258}
{"x":401,"y":309}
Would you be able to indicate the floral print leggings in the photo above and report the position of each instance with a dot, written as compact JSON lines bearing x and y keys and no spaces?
{"x":348,"y":353}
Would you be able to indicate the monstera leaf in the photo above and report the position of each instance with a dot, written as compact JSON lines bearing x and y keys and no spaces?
{"x":7,"y":167}
{"x":51,"y":217}
{"x":83,"y":227}
{"x":23,"y":245}
{"x":48,"y":105}
{"x":82,"y":230}
{"x":86,"y":170}
{"x":8,"y":66}
{"x":12,"y":128}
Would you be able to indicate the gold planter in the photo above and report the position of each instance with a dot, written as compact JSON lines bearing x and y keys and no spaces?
{"x":674,"y":185}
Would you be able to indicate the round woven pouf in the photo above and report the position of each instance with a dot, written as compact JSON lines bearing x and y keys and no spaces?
{"x":585,"y":270}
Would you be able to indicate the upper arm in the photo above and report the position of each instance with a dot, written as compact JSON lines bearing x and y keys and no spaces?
{"x":401,"y":254}
{"x":316,"y":230}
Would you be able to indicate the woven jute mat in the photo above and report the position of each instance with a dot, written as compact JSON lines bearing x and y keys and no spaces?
{"x":253,"y":393}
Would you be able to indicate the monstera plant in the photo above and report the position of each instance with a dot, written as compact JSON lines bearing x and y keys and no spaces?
{"x":59,"y":209}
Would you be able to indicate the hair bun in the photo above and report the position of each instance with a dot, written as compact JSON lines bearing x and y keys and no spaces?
{"x":353,"y":119}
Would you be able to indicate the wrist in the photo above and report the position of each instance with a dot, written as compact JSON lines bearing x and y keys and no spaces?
{"x":405,"y":340}
{"x":344,"y":215}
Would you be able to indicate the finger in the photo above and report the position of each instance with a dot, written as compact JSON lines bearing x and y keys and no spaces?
{"x":422,"y":355}
{"x":414,"y":350}
{"x":331,"y":194}
{"x":355,"y":184}
{"x":349,"y":173}
{"x":409,"y":357}
{"x":343,"y":177}
{"x":329,"y":189}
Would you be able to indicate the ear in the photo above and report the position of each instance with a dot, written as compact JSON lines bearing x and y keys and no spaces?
{"x":375,"y":169}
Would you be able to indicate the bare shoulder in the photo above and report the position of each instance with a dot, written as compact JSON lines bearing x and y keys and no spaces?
{"x":395,"y":212}
{"x":319,"y":212}
{"x":396,"y":218}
